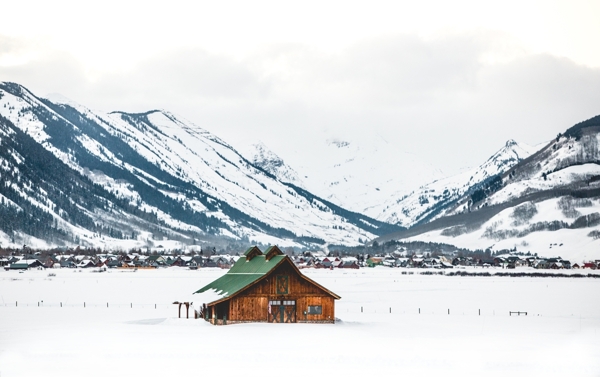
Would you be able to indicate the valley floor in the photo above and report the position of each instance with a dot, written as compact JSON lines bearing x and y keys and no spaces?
{"x":389,"y":324}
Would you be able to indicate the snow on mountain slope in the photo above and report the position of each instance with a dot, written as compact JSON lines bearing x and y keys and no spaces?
{"x":34,"y":209}
{"x":549,"y":203}
{"x":547,"y":228}
{"x":189,"y":179}
{"x":566,"y":163}
{"x":196,"y":156}
{"x":435,"y":199}
{"x":354,"y":173}
{"x":261,"y":156}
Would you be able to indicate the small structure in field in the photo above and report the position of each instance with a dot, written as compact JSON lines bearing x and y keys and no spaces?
{"x":266,"y":288}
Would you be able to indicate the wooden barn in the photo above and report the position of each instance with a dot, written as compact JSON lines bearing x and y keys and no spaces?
{"x":266,"y":288}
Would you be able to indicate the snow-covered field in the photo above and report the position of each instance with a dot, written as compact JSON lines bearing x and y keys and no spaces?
{"x":139,"y":332}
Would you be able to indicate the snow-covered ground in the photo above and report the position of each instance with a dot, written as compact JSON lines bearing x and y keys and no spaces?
{"x":559,"y":336}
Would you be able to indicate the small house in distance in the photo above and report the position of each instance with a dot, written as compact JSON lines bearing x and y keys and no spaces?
{"x":266,"y":288}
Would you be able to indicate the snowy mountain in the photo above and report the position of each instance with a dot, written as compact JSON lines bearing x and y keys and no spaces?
{"x":149,"y":176}
{"x":266,"y":159}
{"x":439,"y":198}
{"x":357,"y":174}
{"x":549,"y":203}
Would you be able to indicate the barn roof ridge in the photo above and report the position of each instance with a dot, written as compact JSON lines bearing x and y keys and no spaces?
{"x":252,"y":252}
{"x":252,"y":248}
{"x":272,"y":251}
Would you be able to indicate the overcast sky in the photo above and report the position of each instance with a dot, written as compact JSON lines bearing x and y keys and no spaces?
{"x":449,"y":81}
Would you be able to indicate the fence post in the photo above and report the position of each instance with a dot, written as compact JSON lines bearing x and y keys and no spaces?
{"x":361,"y":309}
{"x":61,"y":304}
{"x":16,"y":303}
{"x":448,"y":311}
{"x":132,"y":305}
{"x":390,"y":310}
{"x":154,"y":306}
{"x":419,"y":310}
{"x":84,"y":304}
{"x":107,"y":304}
{"x":479,"y":311}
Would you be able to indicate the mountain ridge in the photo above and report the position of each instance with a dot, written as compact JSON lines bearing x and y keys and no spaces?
{"x":550,"y":198}
{"x":434,"y":199}
{"x":148,"y":159}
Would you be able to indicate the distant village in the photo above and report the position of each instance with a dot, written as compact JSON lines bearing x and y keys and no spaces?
{"x":194,"y":259}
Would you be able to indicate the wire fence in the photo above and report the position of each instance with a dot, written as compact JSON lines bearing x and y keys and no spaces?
{"x":390,"y":311}
{"x":366,"y":310}
{"x":370,"y":310}
{"x":156,"y":306}
{"x":87,"y":304}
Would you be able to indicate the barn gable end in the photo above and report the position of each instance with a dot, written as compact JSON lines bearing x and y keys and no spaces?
{"x":272,"y":251}
{"x":252,"y":252}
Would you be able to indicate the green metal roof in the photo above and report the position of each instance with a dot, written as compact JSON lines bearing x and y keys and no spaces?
{"x":19,"y":266}
{"x":242,"y":274}
{"x":269,"y":249}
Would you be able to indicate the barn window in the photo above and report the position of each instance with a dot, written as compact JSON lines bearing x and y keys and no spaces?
{"x":282,"y":285}
{"x":289,"y":303}
{"x":315,"y":309}
{"x":276,"y":302}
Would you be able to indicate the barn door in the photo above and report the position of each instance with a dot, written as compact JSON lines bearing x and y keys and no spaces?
{"x":275,"y":313}
{"x":289,"y":311}
{"x":282,"y":311}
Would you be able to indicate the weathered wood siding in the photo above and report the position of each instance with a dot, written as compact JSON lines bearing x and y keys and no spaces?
{"x":327,"y":304}
{"x":252,"y":303}
{"x":249,"y":308}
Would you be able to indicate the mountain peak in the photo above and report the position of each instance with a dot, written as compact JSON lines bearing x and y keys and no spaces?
{"x":269,"y":161}
{"x":59,"y":99}
{"x":513,"y":150}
